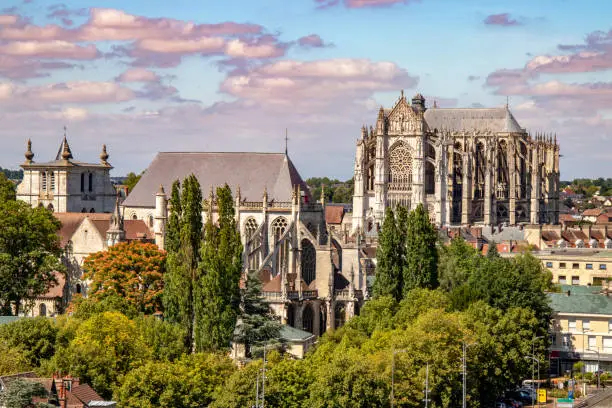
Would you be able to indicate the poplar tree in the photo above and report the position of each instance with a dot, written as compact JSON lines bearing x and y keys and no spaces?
{"x":421,"y":265}
{"x":389,"y":259}
{"x":185,"y":237}
{"x":218,"y":290}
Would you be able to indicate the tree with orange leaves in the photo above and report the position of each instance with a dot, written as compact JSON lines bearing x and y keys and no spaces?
{"x":133,"y":270}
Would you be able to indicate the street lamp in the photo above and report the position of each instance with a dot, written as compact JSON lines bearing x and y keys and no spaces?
{"x":393,"y":375}
{"x":538,"y":388}
{"x":598,"y":360}
{"x":533,"y":354}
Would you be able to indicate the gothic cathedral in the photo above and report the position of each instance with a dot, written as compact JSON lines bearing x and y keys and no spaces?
{"x":466,"y":166}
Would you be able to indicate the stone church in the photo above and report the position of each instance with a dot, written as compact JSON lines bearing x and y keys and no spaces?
{"x":67,"y":185}
{"x":311,"y":274}
{"x":466,"y":166}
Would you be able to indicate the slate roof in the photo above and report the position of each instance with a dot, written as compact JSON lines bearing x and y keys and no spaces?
{"x":252,"y":172}
{"x":290,"y":333}
{"x":469,"y":119}
{"x":582,"y":299}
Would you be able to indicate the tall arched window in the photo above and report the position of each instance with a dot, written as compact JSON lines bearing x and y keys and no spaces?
{"x":308,"y":319}
{"x":250,"y":226}
{"x":42,"y":310}
{"x":90,"y":182}
{"x":503,"y":178}
{"x":82,"y":182}
{"x":50,"y":207}
{"x":400,"y":168}
{"x":290,"y":315}
{"x":279,"y":226}
{"x":52,"y":187}
{"x":480,"y":166}
{"x":339,"y":315}
{"x":79,"y":288}
{"x":309,"y":262}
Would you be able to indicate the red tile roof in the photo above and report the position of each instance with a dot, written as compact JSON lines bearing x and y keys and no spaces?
{"x":593,"y":212}
{"x":334,"y":214}
{"x":56,"y":291}
{"x":134,"y":229}
{"x":85,"y":393}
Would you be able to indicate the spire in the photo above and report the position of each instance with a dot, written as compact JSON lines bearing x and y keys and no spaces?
{"x":402,"y":94}
{"x":116,"y":232}
{"x":322,"y":194}
{"x":104,"y":155}
{"x":29,"y":155}
{"x":435,"y":105}
{"x":286,"y":142}
{"x":161,"y":190}
{"x":381,"y":113}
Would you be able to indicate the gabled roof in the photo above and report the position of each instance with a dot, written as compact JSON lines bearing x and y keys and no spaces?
{"x":252,"y":172}
{"x":293,"y":334}
{"x":134,"y":229}
{"x":481,"y":119}
{"x":85,"y":393}
{"x":334,"y":214}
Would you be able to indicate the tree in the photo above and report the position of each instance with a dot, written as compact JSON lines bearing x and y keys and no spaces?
{"x":184,"y":241}
{"x":190,"y":382}
{"x":20,"y":394}
{"x":421,"y":266}
{"x":456,"y":262}
{"x":132,"y":270}
{"x":103,"y":350}
{"x":389,"y":259}
{"x":35,"y":337}
{"x":131,"y":180}
{"x":84,"y":308}
{"x":13,"y":360}
{"x":29,"y":253}
{"x":218,"y":292}
{"x":256,"y":324}
{"x":7,"y":189}
{"x":165,"y":339}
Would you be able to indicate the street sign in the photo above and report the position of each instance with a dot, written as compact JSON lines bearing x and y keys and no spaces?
{"x":565,"y":403}
{"x":542,"y":397}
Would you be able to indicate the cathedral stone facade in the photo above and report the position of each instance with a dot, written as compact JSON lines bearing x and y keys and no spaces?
{"x":466,"y":166}
{"x":67,"y":185}
{"x":311,"y":274}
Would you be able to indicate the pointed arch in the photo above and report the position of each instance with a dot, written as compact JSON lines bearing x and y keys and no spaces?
{"x":309,"y":262}
{"x":339,"y":315}
{"x":42,"y":309}
{"x":400,"y":167}
{"x":308,"y":319}
{"x":277,"y":229}
{"x":250,"y":226}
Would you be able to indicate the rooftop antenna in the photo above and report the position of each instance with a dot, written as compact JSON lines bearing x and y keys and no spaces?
{"x":286,"y":142}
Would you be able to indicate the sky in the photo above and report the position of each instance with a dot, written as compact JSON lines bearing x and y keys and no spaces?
{"x":144,"y":76}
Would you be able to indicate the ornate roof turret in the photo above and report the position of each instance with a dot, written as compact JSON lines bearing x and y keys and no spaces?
{"x":104,"y":156}
{"x":66,"y":152}
{"x":29,"y":155}
{"x":418,"y":102}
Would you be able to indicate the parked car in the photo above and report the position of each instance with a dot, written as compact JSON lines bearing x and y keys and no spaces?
{"x":521,"y":396}
{"x":512,"y":403}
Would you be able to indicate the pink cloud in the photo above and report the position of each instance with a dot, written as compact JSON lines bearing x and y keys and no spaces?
{"x":49,"y":49}
{"x":503,"y":19}
{"x":138,"y":75}
{"x":65,"y":92}
{"x":322,"y":4}
{"x":8,"y":19}
{"x":317,"y":82}
{"x":311,"y":41}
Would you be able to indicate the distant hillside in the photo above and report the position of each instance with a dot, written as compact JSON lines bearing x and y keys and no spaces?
{"x":15,"y":175}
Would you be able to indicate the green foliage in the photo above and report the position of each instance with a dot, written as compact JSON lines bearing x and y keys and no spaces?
{"x":13,"y":359}
{"x":131,"y":180}
{"x":390,"y":259}
{"x":84,"y":308}
{"x":218,"y":293}
{"x":336,"y":191}
{"x":16,"y":175}
{"x":421,"y":265}
{"x":377,"y":314}
{"x":7,"y":189}
{"x":256,"y":324}
{"x":104,"y":348}
{"x":19,"y":394}
{"x":189,"y":382}
{"x":184,"y":241}
{"x":35,"y":337}
{"x":29,"y":253}
{"x":165,"y":339}
{"x":239,"y":389}
{"x":456,"y":262}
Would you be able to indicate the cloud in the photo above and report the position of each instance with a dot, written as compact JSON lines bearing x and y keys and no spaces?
{"x":317,"y":82}
{"x":503,"y":19}
{"x":323,"y":4}
{"x":138,"y":75}
{"x":49,"y":49}
{"x":312,"y":41}
{"x":87,"y":92}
